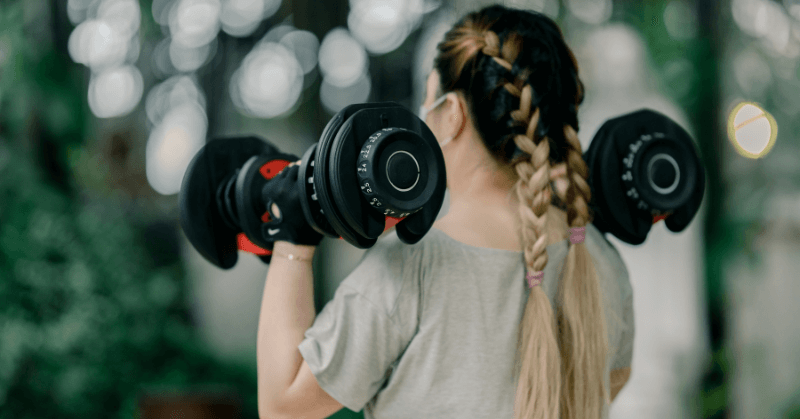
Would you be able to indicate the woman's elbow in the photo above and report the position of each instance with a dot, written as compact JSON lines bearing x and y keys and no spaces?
{"x":618,"y":379}
{"x":268,"y":409}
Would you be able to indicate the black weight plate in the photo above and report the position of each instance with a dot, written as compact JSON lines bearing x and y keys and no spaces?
{"x":328,"y":201}
{"x":249,"y":203}
{"x":600,"y":218}
{"x":321,"y":171}
{"x":310,"y":205}
{"x":225,"y":196}
{"x":320,"y":174}
{"x":623,"y":219}
{"x":368,"y":221}
{"x":200,"y":218}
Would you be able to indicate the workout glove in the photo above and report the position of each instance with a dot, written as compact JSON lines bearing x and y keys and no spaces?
{"x":288,"y":223}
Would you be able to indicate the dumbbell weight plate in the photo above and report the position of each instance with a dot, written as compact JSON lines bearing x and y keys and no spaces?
{"x":322,"y":173}
{"x":200,"y":217}
{"x":321,"y":181}
{"x":311,"y":208}
{"x":346,"y":184}
{"x":618,"y":177}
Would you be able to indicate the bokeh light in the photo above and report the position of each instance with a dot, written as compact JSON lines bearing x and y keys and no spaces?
{"x":744,"y":13}
{"x":342,"y":60}
{"x":681,"y":75}
{"x":680,"y":20}
{"x":774,"y":26}
{"x":194,"y":23}
{"x":269,"y":81}
{"x":190,"y":59}
{"x":382,"y":25}
{"x":171,"y":146}
{"x":305,"y":47}
{"x":752,"y":72}
{"x":616,"y":53}
{"x":593,"y":12}
{"x":551,"y":8}
{"x":106,"y":40}
{"x":161,"y":59}
{"x":170,"y":94}
{"x":122,"y":15}
{"x":751,"y":130}
{"x":335,"y":98}
{"x":96,"y":44}
{"x":77,"y":10}
{"x":160,"y":10}
{"x":242,"y":17}
{"x":277,"y":33}
{"x":115,"y":92}
{"x":769,"y":22}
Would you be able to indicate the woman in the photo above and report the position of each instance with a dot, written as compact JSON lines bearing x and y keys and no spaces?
{"x":513,"y":305}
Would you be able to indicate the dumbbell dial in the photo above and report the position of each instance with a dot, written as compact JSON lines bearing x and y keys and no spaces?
{"x":392,"y":174}
{"x":654,"y":174}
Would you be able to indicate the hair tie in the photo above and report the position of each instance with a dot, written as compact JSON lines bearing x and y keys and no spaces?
{"x":577,"y":234}
{"x":534,"y":279}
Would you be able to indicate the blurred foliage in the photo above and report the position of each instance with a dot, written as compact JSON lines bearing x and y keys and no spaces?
{"x":36,"y":78}
{"x":88,"y":323}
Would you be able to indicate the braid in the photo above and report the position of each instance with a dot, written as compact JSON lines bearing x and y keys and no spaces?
{"x":537,"y":333}
{"x":583,"y":338}
{"x":533,"y":188}
{"x":578,"y":193}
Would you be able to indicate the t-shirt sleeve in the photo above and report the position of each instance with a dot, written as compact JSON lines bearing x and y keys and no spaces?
{"x":364,"y":329}
{"x":624,"y":354}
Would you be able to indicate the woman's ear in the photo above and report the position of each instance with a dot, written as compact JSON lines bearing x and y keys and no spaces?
{"x":455,"y":114}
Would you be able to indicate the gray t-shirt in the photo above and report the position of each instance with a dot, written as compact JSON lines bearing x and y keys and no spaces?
{"x":430,"y":330}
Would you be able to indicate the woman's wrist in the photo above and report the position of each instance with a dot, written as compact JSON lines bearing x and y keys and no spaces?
{"x":293,"y":251}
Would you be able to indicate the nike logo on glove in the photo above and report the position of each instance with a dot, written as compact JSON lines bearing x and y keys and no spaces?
{"x":273,"y":232}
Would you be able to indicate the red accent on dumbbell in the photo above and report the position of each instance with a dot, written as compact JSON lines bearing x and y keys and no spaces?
{"x":246,"y":245}
{"x":391,"y":222}
{"x":271,"y":168}
{"x":658,"y":218}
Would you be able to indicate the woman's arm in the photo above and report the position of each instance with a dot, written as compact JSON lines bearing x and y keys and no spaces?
{"x":287,"y":311}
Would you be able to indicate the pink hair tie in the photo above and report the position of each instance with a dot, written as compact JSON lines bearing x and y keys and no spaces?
{"x":534,"y":279}
{"x":577,"y":234}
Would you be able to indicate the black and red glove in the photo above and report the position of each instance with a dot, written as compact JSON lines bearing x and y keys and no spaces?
{"x":288,"y":223}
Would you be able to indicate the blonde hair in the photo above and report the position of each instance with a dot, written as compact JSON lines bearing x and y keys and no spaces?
{"x":561,"y":353}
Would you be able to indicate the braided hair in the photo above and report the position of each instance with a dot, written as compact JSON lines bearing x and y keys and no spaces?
{"x":520,"y":81}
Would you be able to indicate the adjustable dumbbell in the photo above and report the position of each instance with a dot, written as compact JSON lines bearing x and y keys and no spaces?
{"x":643,"y":168}
{"x":375,"y":166}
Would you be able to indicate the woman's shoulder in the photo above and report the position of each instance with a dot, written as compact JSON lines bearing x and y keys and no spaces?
{"x":608,"y":262}
{"x":385,"y":270}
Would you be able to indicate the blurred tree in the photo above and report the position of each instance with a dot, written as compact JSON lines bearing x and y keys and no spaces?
{"x":699,"y":96}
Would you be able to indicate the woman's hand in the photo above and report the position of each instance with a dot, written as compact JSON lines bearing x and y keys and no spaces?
{"x":282,"y":195}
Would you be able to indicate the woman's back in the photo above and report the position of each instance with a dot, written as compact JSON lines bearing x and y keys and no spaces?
{"x":444,"y":342}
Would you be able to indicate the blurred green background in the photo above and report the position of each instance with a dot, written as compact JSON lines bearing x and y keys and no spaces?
{"x":106,"y":311}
